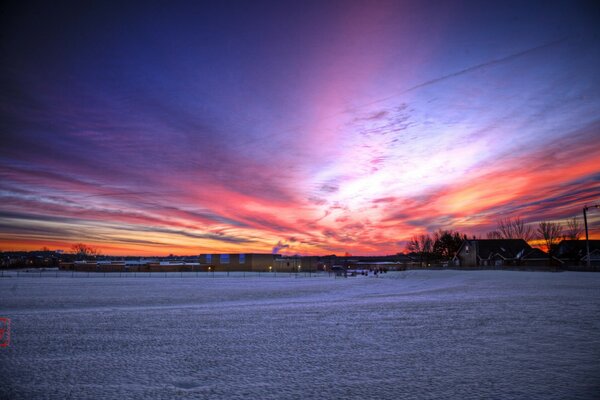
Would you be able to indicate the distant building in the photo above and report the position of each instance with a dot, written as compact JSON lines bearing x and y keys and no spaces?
{"x":131,"y":265}
{"x":20,"y":259}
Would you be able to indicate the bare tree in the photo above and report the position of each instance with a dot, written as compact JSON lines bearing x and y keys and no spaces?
{"x":574,"y":229}
{"x":422,"y":245}
{"x":83,"y":250}
{"x":512,"y":228}
{"x":550,"y":233}
{"x":493,"y":235}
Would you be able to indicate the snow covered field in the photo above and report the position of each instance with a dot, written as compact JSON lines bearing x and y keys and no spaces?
{"x":415,"y":334}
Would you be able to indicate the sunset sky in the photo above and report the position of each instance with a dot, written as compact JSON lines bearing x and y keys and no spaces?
{"x":300,"y":127}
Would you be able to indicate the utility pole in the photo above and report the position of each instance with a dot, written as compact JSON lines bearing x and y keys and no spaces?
{"x":587,"y":238}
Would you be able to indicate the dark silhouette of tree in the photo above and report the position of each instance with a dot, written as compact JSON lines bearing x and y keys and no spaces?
{"x":422,"y":245}
{"x":493,"y":235}
{"x":446,"y":244}
{"x":83,"y":251}
{"x":512,"y":228}
{"x":550,"y":233}
{"x":574,"y":229}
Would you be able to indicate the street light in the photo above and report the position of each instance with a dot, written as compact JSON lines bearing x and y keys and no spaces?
{"x":587,"y":239}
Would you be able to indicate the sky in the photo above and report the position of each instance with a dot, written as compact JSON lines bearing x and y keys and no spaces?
{"x":313,"y":127}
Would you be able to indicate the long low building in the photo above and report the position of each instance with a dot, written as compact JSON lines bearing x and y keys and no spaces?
{"x":257,"y":262}
{"x":130,"y":266}
{"x":205,"y":262}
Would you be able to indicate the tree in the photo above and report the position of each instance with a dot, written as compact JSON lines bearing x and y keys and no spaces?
{"x":550,"y":233}
{"x":494,"y":235}
{"x":574,"y":229}
{"x":83,"y":251}
{"x":446,"y":244}
{"x":422,"y":245}
{"x":512,"y":228}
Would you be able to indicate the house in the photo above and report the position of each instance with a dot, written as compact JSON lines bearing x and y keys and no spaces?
{"x":575,"y":251}
{"x":594,"y":257}
{"x":539,"y":258}
{"x":491,"y":252}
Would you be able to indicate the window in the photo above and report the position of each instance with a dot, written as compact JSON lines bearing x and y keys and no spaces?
{"x":209,"y":258}
{"x":224,"y":259}
{"x":242,"y":258}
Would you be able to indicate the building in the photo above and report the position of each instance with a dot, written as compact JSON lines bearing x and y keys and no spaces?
{"x":539,"y":258}
{"x":574,"y":252}
{"x":129,"y":265}
{"x":491,"y":252}
{"x":239,"y":262}
{"x":21,"y":259}
{"x":396,"y":262}
{"x":594,"y":258}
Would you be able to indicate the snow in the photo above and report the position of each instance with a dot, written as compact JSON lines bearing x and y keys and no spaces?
{"x":412,"y":334}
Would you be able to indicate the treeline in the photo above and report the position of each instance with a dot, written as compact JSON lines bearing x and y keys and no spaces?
{"x":443,"y":245}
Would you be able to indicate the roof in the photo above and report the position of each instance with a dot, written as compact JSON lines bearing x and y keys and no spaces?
{"x":376,"y":263}
{"x":594,"y":255}
{"x":403,"y":257}
{"x":535,"y":254}
{"x":576,"y":248}
{"x":506,"y":248}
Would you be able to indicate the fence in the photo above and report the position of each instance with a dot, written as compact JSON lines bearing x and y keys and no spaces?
{"x":56,"y":273}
